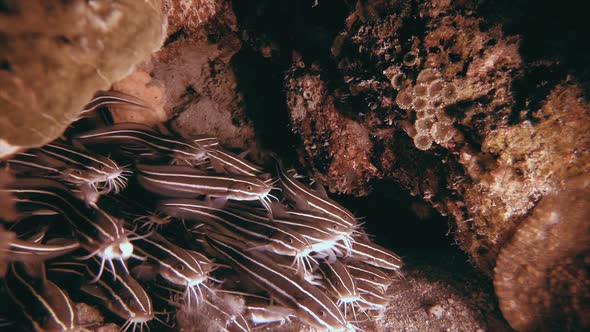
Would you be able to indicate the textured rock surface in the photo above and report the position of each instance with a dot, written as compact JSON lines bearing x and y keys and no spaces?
{"x":456,"y":102}
{"x":190,"y":81}
{"x":541,"y":275}
{"x":427,"y":96}
{"x":435,"y":297}
{"x":434,"y":97}
{"x":55,"y":55}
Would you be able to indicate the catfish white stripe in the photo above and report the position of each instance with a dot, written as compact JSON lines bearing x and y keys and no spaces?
{"x":339,"y":279}
{"x":371,"y":295}
{"x":31,"y":160}
{"x":138,"y":133}
{"x":131,"y":290}
{"x":43,"y":249}
{"x":68,"y":304}
{"x":39,"y":298}
{"x":179,"y":266}
{"x":55,"y":302}
{"x":231,"y":163}
{"x":32,"y":163}
{"x":300,"y":293}
{"x":104,"y":98}
{"x":103,"y":234}
{"x":193,"y":209}
{"x":187,"y":181}
{"x":60,"y":151}
{"x":375,"y":255}
{"x":63,"y":206}
{"x":318,"y":238}
{"x":298,"y":192}
{"x":177,"y":252}
{"x":95,"y":168}
{"x":228,"y":178}
{"x":368,"y":273}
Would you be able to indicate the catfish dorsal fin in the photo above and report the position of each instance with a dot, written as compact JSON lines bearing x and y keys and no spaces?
{"x":216,"y":202}
{"x":36,"y":269}
{"x":94,"y":290}
{"x":217,"y":165}
{"x":145,"y":272}
{"x":265,"y":176}
{"x":320,"y":190}
{"x":278,"y":209}
{"x":243,"y":154}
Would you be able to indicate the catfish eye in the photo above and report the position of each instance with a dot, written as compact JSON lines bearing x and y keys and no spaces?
{"x":322,"y":313}
{"x":249,"y":188}
{"x":290,"y":239}
{"x":180,"y":267}
{"x":334,"y":226}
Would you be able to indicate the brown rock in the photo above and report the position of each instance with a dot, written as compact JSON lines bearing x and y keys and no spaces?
{"x":541,"y":275}
{"x":338,"y":146}
{"x":55,"y":55}
{"x":482,"y":163}
{"x":190,"y":81}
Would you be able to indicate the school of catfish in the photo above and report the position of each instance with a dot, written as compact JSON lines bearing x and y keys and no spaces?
{"x":148,"y":225}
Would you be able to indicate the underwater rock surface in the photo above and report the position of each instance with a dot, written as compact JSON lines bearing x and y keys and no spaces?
{"x":440,"y":98}
{"x":427,"y":95}
{"x":190,"y":81}
{"x":55,"y":55}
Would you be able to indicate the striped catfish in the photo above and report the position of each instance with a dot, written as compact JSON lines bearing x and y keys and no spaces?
{"x":316,"y":220}
{"x":224,"y":161}
{"x":261,"y":312}
{"x":107,"y":98}
{"x":188,"y":182}
{"x":29,"y":163}
{"x":306,"y":199}
{"x":46,"y":306}
{"x":260,"y":235}
{"x":183,"y":181}
{"x":230,"y":314}
{"x":322,"y":242}
{"x":372,"y":297}
{"x":139,"y":135}
{"x":327,"y":222}
{"x":374,"y":254}
{"x":85,"y":167}
{"x":368,"y":273}
{"x":123,"y":296}
{"x":311,"y":305}
{"x":178,"y":266}
{"x":341,"y":284}
{"x":99,"y":233}
{"x":26,"y":250}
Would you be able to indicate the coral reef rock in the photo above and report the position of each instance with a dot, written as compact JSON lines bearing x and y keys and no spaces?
{"x":434,"y":297}
{"x":430,"y":96}
{"x":542,"y":274}
{"x":54,"y":55}
{"x":190,"y":81}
